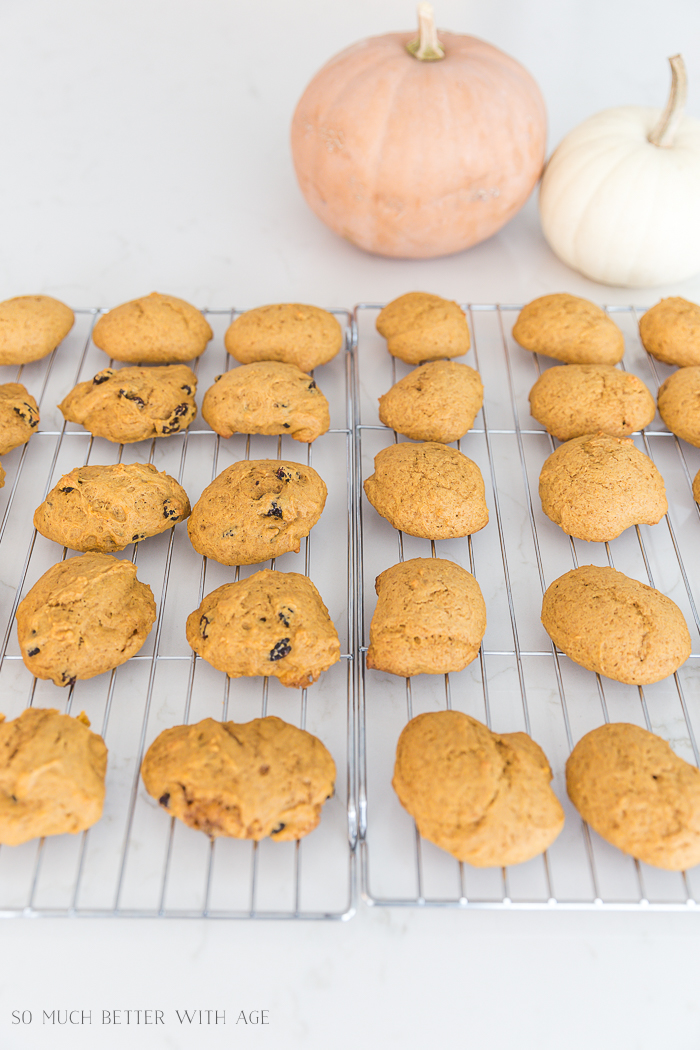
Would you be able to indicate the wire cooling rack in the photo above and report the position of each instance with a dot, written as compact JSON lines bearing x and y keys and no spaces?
{"x":135,"y":861}
{"x":520,"y":681}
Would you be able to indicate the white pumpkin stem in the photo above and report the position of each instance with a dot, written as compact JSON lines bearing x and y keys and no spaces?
{"x":664,"y":132}
{"x":426,"y":46}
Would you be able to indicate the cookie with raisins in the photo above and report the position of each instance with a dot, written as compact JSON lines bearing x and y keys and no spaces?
{"x":256,"y":510}
{"x":105,"y":508}
{"x":134,"y":404}
{"x":19,"y":416}
{"x":245,"y":781}
{"x":272,"y":624}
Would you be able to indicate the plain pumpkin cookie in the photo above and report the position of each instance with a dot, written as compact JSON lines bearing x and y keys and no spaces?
{"x":84,"y":616}
{"x":104,"y":508}
{"x":614,"y":625}
{"x":31,"y":326}
{"x":670,"y":331}
{"x":246,"y":781}
{"x":484,"y":797}
{"x":428,"y":490}
{"x":272,"y":624}
{"x":156,"y":329}
{"x":423,"y":327}
{"x":255,"y":510}
{"x":305,"y":336}
{"x":696,"y":487}
{"x":19,"y":416}
{"x":679,"y":404}
{"x":637,"y":794}
{"x":572,"y":400}
{"x":134,"y":404}
{"x":570,"y":329}
{"x":267,"y":397}
{"x":3,"y":475}
{"x":436,"y":402}
{"x":52,"y":775}
{"x":596,"y":486}
{"x":430,"y":618}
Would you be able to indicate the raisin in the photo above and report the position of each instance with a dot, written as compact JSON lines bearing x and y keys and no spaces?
{"x":169,"y":512}
{"x":66,"y":679}
{"x":204,"y":622}
{"x":217,"y":378}
{"x":275,"y":511}
{"x":33,"y":652}
{"x":286,"y":426}
{"x":133,"y":397}
{"x":280,"y":473}
{"x":165,"y":799}
{"x":68,"y":488}
{"x":102,"y":377}
{"x":173,"y":428}
{"x":181,"y":410}
{"x":312,"y":385}
{"x":188,"y":389}
{"x":138,"y":536}
{"x":276,"y":831}
{"x":285,"y":614}
{"x":281,"y":649}
{"x":19,"y":412}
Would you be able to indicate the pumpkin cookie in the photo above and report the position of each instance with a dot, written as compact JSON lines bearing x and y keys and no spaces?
{"x":3,"y":475}
{"x":31,"y":326}
{"x":670,"y":331}
{"x":255,"y":510}
{"x":52,"y":775}
{"x":696,"y":487}
{"x":133,"y":404}
{"x":436,"y":402}
{"x":596,"y":486}
{"x":305,"y":336}
{"x":267,"y":397}
{"x":272,"y":624}
{"x":569,"y":329}
{"x":637,"y":794}
{"x":428,"y":490}
{"x":679,"y":404}
{"x":615,"y":626}
{"x":84,"y":616}
{"x":482,"y":796}
{"x":582,"y":399}
{"x":246,"y":781}
{"x":423,"y":327}
{"x":430,"y":618}
{"x":104,"y":509}
{"x":157,"y":329}
{"x":19,"y":416}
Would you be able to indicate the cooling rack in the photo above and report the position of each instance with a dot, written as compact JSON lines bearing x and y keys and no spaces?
{"x":520,"y":681}
{"x":135,"y":861}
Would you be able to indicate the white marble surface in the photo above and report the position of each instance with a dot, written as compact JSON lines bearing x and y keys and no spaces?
{"x":145,"y":145}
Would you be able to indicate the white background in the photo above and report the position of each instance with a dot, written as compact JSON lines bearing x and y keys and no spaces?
{"x":145,"y":146}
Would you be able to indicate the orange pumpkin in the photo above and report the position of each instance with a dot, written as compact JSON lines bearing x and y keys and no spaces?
{"x":415,"y":155}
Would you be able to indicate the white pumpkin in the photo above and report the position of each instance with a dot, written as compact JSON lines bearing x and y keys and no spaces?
{"x":620,"y":196}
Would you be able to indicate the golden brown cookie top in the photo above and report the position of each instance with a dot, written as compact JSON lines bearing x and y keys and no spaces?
{"x":156,"y":329}
{"x":696,"y":487}
{"x":248,"y":781}
{"x":596,"y":486}
{"x":428,"y":490}
{"x":19,"y":416}
{"x":572,"y":400}
{"x":105,"y":508}
{"x":638,"y":794}
{"x":134,"y":404}
{"x":31,"y":326}
{"x":255,"y":510}
{"x":419,"y":327}
{"x":670,"y":331}
{"x":482,"y":796}
{"x":679,"y":403}
{"x":84,"y":616}
{"x":305,"y":336}
{"x":615,"y":625}
{"x":437,"y":401}
{"x":570,"y":329}
{"x":267,"y":397}
{"x":52,"y":775}
{"x":430,"y":618}
{"x":272,"y":624}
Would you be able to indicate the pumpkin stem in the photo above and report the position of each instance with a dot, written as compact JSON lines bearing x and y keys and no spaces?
{"x":664,"y":132}
{"x":426,"y":46}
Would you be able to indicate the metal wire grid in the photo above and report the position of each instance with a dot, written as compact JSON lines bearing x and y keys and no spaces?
{"x":135,"y":862}
{"x":521,"y":681}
